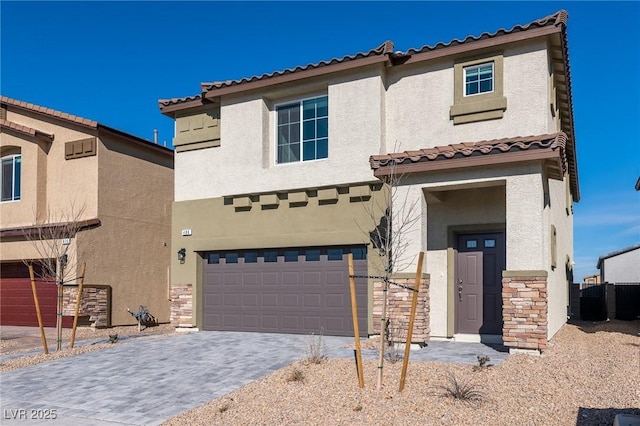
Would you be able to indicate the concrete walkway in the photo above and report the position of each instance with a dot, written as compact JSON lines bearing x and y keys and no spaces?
{"x":146,"y":381}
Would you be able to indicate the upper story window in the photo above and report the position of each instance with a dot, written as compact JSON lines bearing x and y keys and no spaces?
{"x":478,"y":89}
{"x":478,"y":79}
{"x":11,"y":177}
{"x":303,"y":130}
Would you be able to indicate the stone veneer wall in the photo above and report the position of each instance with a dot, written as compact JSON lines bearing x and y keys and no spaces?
{"x":525,"y":309}
{"x":94,"y":303}
{"x":182,"y":305}
{"x":399,"y":300}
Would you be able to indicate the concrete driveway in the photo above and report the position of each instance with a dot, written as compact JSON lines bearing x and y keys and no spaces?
{"x":147,"y":381}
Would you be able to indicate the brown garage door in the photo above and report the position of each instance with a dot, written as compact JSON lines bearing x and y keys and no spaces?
{"x":297,"y":290}
{"x":16,"y":295}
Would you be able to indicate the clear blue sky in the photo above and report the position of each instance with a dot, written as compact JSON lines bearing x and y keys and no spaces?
{"x":112,"y":61}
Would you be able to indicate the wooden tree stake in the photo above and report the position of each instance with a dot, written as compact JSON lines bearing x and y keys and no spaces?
{"x":412,"y":317}
{"x":43,"y":336}
{"x":78,"y":299}
{"x":356,"y":328}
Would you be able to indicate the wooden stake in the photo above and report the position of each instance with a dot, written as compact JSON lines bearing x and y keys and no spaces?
{"x":356,"y":328}
{"x":383,"y":329}
{"x":43,"y":336}
{"x":412,"y":318}
{"x":78,"y":299}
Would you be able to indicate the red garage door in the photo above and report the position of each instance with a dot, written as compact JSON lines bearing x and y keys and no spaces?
{"x":16,"y":298}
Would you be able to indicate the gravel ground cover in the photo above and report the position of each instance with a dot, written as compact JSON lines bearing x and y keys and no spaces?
{"x":589,"y":373}
{"x":27,"y":350}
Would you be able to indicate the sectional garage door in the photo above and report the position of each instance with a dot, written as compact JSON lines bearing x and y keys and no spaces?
{"x":17,"y":305}
{"x":297,"y":290}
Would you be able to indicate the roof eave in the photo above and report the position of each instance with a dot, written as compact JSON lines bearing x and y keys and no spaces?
{"x":295,"y":76}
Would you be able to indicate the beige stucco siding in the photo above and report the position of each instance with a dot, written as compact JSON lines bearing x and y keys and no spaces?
{"x":51,"y":184}
{"x":478,"y":198}
{"x":134,"y":199}
{"x":245,"y":162}
{"x":419,"y":98}
{"x":558,"y":278}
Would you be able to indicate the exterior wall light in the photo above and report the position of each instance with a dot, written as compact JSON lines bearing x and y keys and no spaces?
{"x":182,"y":254}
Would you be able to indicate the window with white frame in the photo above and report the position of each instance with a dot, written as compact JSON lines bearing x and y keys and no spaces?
{"x":303,"y":130}
{"x":10,"y":177}
{"x":478,"y":79}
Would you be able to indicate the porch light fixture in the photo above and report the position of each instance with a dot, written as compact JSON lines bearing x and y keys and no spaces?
{"x":182,"y":254}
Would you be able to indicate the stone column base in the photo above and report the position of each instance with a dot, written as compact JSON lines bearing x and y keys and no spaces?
{"x":524,"y":309}
{"x":182,"y":305}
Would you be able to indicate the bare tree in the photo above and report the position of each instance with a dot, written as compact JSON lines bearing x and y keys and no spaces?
{"x":394,"y":217}
{"x":58,"y":252}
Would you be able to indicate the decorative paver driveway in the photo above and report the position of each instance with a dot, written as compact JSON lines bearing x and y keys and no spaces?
{"x":146,"y":381}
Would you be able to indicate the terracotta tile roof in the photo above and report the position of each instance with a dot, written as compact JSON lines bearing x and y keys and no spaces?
{"x":386,"y":48}
{"x":558,"y":18}
{"x":175,"y":101}
{"x":383,"y":49}
{"x":74,"y":119}
{"x":404,"y":162}
{"x":50,"y":112}
{"x":10,"y":125}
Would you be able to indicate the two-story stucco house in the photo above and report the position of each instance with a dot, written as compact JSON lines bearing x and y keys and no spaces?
{"x":276,"y":177}
{"x":117,"y":188}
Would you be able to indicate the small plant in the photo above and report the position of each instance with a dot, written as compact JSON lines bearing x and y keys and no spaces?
{"x":315,"y":349}
{"x":483,"y":363}
{"x":460,"y":390}
{"x":113,"y":338}
{"x":223,"y":408}
{"x":296,"y":375}
{"x":357,"y":408}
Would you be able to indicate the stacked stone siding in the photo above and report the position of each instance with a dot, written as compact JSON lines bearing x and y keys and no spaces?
{"x":182,"y":305}
{"x":524,"y":309}
{"x":94,"y":304}
{"x":399,"y":300}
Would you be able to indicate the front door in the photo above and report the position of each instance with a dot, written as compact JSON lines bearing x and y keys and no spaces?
{"x":480,"y":261}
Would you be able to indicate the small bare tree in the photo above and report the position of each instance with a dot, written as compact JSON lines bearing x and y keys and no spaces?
{"x":389,"y":237}
{"x":56,"y":261}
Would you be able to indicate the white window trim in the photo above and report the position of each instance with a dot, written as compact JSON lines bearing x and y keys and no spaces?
{"x":13,"y":177}
{"x":464,"y":79}
{"x":275,"y":130}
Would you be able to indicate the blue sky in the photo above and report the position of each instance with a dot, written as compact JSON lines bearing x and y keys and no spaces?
{"x":112,"y":61}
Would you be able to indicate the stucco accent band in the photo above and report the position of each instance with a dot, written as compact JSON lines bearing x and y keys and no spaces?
{"x":525,"y":309}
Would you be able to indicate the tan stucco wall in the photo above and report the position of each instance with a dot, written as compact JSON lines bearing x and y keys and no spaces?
{"x":216,"y":226}
{"x":419,"y":98}
{"x":245,"y":160}
{"x":62,"y":184}
{"x":558,"y":284}
{"x":132,"y":245}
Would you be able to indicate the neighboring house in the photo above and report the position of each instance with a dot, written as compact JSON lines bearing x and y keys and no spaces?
{"x":621,"y":266}
{"x":59,"y":168}
{"x":591,"y":279}
{"x":276,"y":176}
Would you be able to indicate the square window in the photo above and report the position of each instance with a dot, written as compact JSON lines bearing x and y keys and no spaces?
{"x":472,"y":243}
{"x":335,"y":254}
{"x":231,"y":258}
{"x":291,"y":256}
{"x":490,"y":243}
{"x":213,"y":258}
{"x":314,"y":132}
{"x":312,"y":255}
{"x":270,"y":256}
{"x":250,"y":257}
{"x":478,"y":79}
{"x":359,"y":253}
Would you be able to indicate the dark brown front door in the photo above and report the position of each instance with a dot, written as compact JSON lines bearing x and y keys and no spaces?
{"x":480,"y":261}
